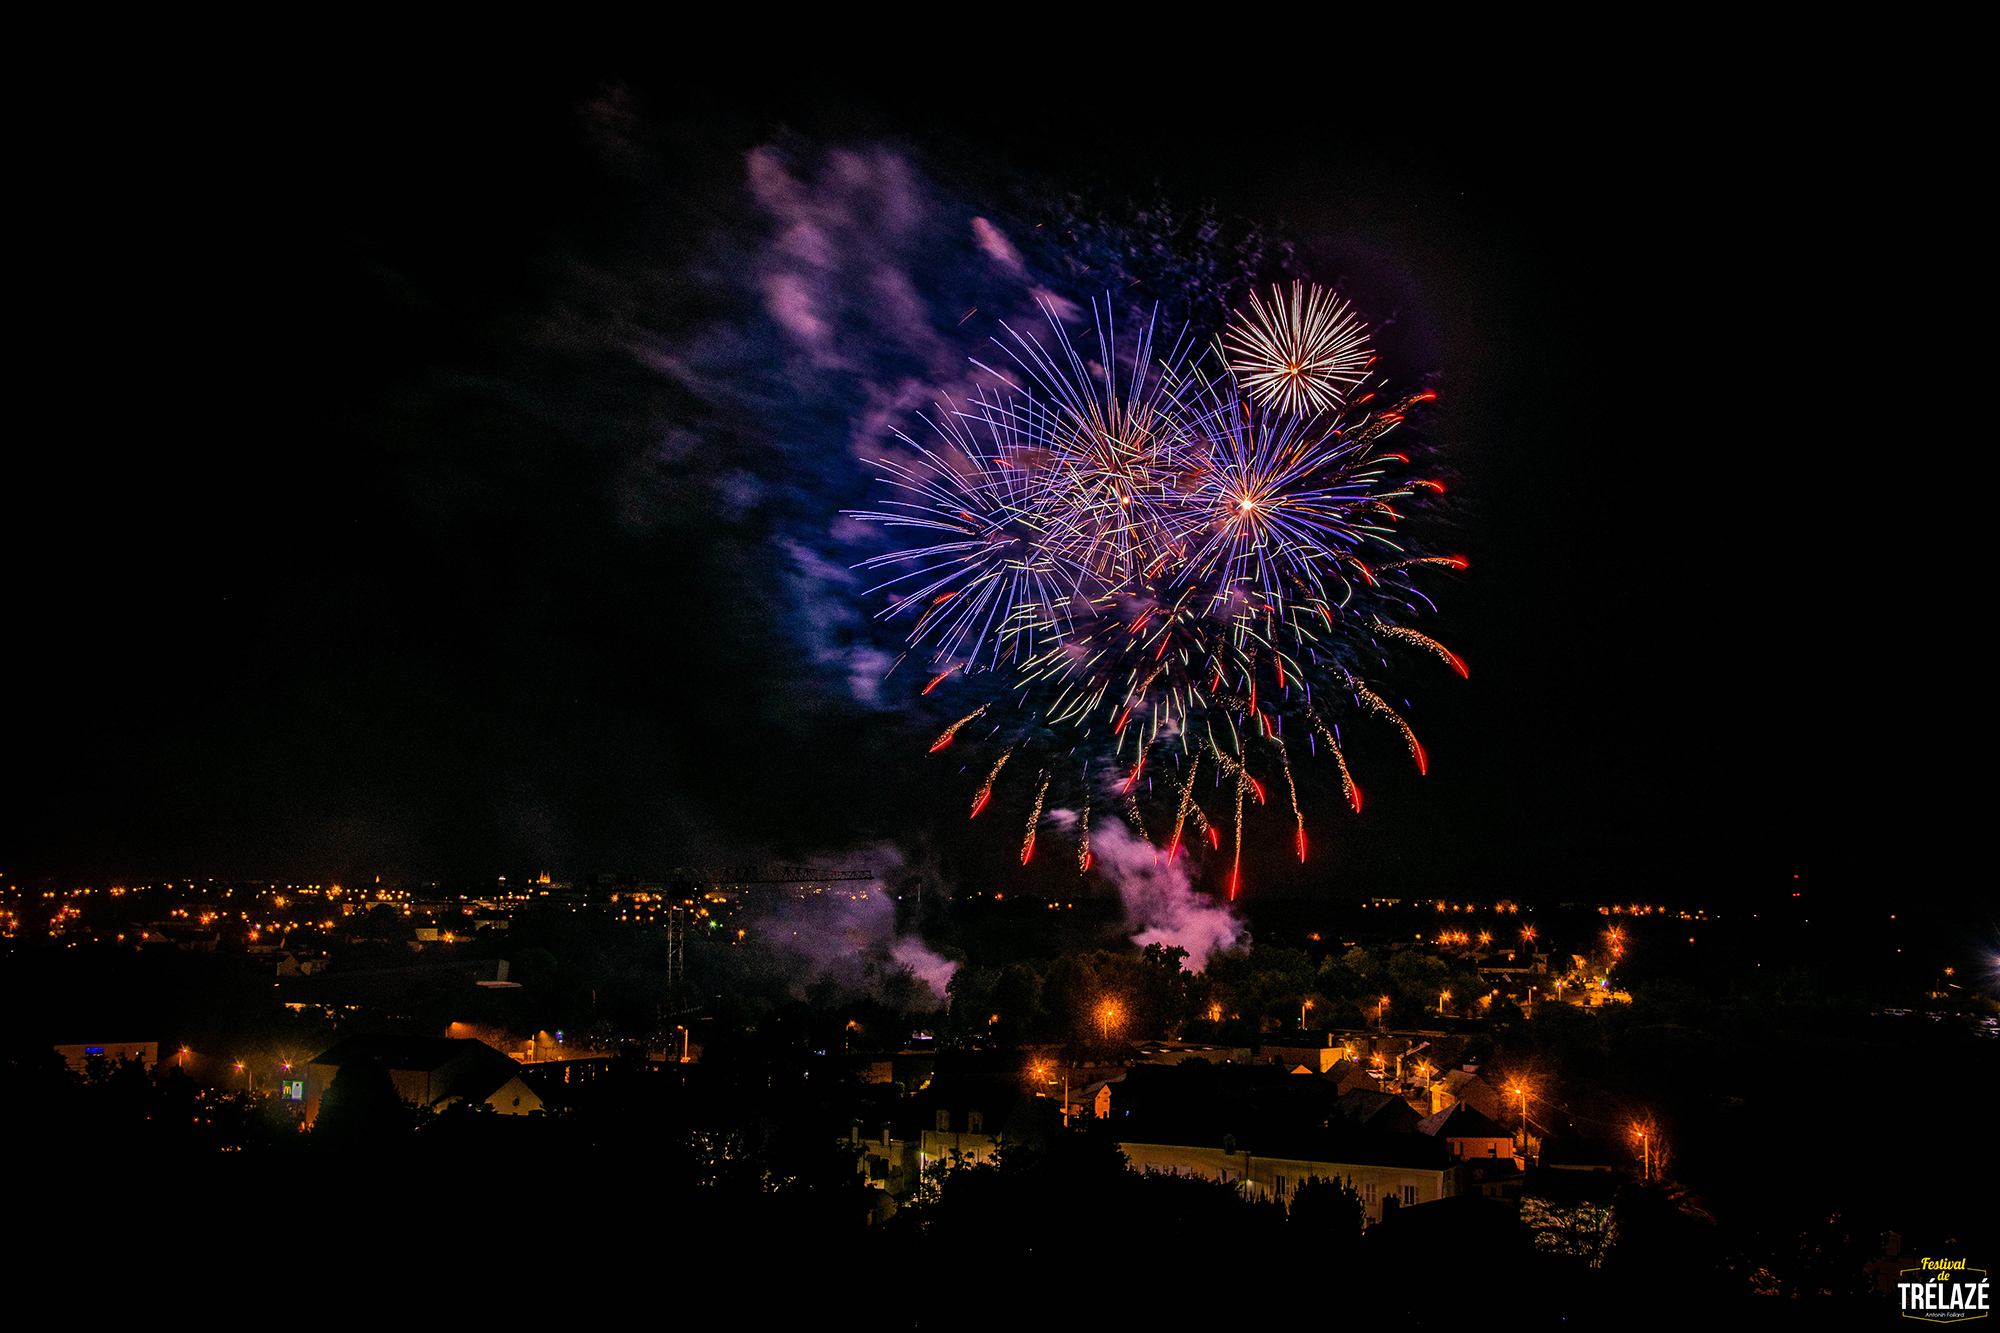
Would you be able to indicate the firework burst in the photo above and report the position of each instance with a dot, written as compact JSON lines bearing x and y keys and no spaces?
{"x":1158,"y":561}
{"x":1302,"y":354}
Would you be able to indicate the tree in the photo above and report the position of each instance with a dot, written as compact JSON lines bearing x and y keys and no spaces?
{"x":1327,"y":1210}
{"x":1017,"y":998}
{"x":361,"y":1107}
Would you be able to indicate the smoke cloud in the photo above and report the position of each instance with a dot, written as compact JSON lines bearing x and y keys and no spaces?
{"x":1159,"y":896}
{"x":842,"y":940}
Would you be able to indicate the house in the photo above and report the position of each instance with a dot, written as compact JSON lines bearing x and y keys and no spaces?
{"x":1177,"y":1052}
{"x":1346,"y":1075}
{"x":1468,"y":1134}
{"x":1466,"y":1085}
{"x":1317,"y":1051}
{"x":1093,"y":1099}
{"x":1278,"y":1172}
{"x":964,"y":1117}
{"x":1253,"y":1124}
{"x":1381,"y":1111}
{"x":429,"y":1071}
{"x":1270,"y":1130}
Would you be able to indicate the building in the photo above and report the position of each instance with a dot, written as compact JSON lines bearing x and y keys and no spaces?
{"x":79,"y":1056}
{"x":1381,"y":1111}
{"x":1384,"y":1185}
{"x":429,"y":1071}
{"x":1317,"y":1052}
{"x":1346,"y":1075}
{"x":1270,"y":1130}
{"x":1467,"y":1134}
{"x":1465,"y":1085}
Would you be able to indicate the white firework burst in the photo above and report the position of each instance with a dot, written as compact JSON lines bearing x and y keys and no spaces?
{"x":1302,"y":353}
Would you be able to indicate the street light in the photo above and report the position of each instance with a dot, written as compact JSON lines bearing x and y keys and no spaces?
{"x":1380,"y":1026}
{"x":1442,"y":997}
{"x":1109,"y":1016}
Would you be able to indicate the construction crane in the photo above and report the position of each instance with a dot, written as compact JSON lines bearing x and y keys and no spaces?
{"x":766,"y":875}
{"x":731,"y":876}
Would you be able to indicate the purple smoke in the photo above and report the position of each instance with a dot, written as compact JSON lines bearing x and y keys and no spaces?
{"x":844,"y":935}
{"x":1159,"y":896}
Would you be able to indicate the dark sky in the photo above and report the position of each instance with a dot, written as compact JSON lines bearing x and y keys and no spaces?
{"x":422,"y":488}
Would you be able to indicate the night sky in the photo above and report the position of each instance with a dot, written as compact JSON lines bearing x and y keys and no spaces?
{"x":423,"y":485}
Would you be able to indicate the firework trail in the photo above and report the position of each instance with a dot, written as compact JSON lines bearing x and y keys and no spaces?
{"x":1207,"y":829}
{"x":1187,"y":803}
{"x":1236,"y":863}
{"x":985,"y":792}
{"x":1285,"y":760}
{"x":1034,"y":818}
{"x":1347,"y":785}
{"x":1245,"y":785}
{"x":1446,"y":561}
{"x":1380,"y":707}
{"x":1137,"y":820}
{"x":1158,"y":553}
{"x":1425,"y":641}
{"x":1083,"y":833}
{"x":952,"y":730}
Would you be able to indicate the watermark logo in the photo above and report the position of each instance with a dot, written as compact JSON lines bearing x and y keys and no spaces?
{"x":1944,"y":1290}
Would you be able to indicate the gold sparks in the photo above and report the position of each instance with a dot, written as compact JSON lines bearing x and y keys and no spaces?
{"x":1425,"y":642}
{"x":952,"y":730}
{"x":1448,"y":561}
{"x":1236,"y":866}
{"x":985,"y":792}
{"x":1347,"y":787}
{"x":1378,"y":705}
{"x":1292,"y":787}
{"x":1083,"y":842}
{"x":1136,"y":820}
{"x":1187,"y":803}
{"x":1034,"y":818}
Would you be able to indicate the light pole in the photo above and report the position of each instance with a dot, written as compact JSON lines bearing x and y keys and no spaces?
{"x":1442,"y":997}
{"x":1380,"y":1026}
{"x":1041,"y":1073}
